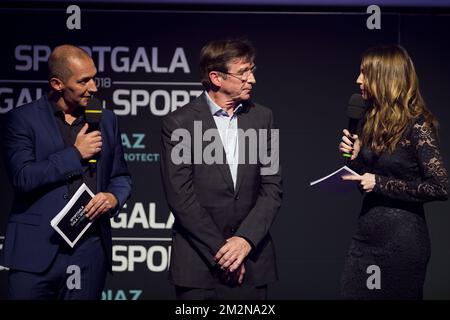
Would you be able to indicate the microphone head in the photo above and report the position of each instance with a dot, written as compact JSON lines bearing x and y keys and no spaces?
{"x":93,"y":111}
{"x":356,"y":106}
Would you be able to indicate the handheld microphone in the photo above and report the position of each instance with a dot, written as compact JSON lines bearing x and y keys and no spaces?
{"x":355,"y":111}
{"x":93,"y":115}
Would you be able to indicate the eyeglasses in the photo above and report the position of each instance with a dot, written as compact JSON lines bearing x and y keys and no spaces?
{"x":243,"y":75}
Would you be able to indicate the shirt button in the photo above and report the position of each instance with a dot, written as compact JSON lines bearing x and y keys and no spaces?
{"x":66,"y":196}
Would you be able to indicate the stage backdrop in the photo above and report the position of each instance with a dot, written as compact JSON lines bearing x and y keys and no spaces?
{"x":307,"y":67}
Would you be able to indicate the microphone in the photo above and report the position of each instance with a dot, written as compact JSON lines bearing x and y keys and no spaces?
{"x":355,"y":111}
{"x":93,"y":115}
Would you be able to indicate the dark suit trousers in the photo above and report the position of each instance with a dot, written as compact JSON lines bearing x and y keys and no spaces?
{"x":59,"y":281}
{"x":222,"y":292}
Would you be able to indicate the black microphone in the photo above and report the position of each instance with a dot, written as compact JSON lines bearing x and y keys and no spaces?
{"x":93,"y":115}
{"x":355,"y":111}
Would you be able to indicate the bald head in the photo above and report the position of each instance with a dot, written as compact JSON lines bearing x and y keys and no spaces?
{"x":59,"y":61}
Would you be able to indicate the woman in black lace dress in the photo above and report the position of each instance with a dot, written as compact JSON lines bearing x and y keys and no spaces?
{"x":398,"y":157}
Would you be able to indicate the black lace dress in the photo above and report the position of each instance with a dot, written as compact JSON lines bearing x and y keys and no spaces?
{"x":392,"y":233}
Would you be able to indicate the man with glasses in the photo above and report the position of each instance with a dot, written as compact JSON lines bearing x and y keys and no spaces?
{"x":223,"y":210}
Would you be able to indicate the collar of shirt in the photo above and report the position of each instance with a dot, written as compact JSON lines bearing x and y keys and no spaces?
{"x":79,"y":114}
{"x":216,"y":110}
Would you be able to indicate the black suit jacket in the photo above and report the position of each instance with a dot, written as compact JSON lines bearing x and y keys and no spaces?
{"x":207,"y":207}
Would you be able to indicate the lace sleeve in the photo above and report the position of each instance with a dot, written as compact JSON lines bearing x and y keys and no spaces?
{"x":433,"y":181}
{"x":357,"y":164}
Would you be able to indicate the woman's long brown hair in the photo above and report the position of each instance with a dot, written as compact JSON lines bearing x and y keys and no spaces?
{"x":391,"y":81}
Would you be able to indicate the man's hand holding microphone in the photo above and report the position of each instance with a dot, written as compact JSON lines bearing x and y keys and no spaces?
{"x":89,"y":144}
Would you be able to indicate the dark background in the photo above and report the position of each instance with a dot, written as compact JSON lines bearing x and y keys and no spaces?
{"x":307,"y":67}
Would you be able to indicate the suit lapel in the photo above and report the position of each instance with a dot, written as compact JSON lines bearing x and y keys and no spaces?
{"x":49,"y":123}
{"x":208,"y":123}
{"x":244,"y":123}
